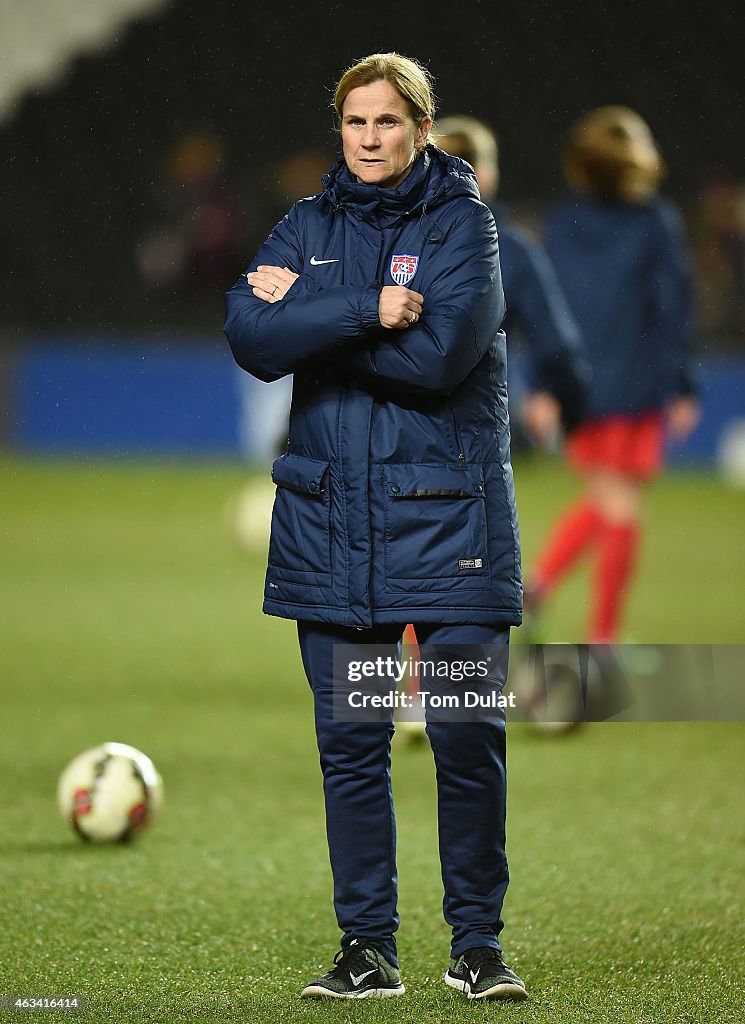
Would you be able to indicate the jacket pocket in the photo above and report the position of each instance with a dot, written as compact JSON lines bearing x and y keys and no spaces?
{"x":300,"y":545}
{"x":435,"y":528}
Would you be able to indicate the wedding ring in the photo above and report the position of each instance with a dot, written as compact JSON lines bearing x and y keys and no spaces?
{"x":275,"y":290}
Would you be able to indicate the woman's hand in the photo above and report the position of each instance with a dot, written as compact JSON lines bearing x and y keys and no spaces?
{"x":683,"y":414}
{"x":271,"y":283}
{"x":541,"y":414}
{"x":399,"y":307}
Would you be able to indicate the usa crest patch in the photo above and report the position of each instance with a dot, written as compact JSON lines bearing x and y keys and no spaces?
{"x":403,"y":267}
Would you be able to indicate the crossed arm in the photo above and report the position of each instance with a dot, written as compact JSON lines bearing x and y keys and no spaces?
{"x":398,"y":307}
{"x":278,"y":319}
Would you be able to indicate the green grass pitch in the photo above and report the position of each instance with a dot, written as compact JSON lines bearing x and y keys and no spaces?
{"x":127,"y":613}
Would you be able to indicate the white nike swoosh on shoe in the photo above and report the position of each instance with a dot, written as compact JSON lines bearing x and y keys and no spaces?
{"x":475,"y":975}
{"x":317,"y":263}
{"x":356,"y":979}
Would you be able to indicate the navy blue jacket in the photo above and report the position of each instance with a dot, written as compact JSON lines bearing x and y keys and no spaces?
{"x":538,"y":312}
{"x":395,"y":500}
{"x":624,"y":270}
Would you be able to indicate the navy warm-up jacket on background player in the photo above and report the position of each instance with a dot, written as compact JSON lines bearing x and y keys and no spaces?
{"x":538,"y":313}
{"x":625,"y":272}
{"x":395,"y":499}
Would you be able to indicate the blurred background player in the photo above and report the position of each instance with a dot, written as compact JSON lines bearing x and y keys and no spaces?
{"x":537,"y":312}
{"x":557,"y":371}
{"x":621,"y":259}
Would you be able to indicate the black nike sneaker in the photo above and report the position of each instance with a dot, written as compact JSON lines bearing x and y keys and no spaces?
{"x":359,"y":972}
{"x":481,"y":973}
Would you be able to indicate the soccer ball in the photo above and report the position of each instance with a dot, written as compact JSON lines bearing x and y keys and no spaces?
{"x":249,"y":516}
{"x":731,"y":453}
{"x":110,"y":793}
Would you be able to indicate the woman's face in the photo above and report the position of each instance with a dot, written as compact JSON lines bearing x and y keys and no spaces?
{"x":379,"y":135}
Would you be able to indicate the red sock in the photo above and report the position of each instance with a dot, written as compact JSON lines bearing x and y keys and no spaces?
{"x":410,"y":649}
{"x":576,"y":528}
{"x":617,"y":550}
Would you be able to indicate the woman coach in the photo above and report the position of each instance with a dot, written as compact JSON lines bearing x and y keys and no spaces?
{"x":395,"y":501}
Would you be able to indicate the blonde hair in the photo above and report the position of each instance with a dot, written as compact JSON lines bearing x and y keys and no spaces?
{"x":611,"y":152}
{"x":407,"y":76}
{"x":471,"y":140}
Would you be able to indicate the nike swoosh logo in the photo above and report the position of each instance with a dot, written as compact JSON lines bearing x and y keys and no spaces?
{"x":475,"y":975}
{"x":357,"y":979}
{"x":317,"y":263}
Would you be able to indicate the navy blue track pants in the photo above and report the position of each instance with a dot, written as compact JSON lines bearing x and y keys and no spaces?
{"x":360,"y":823}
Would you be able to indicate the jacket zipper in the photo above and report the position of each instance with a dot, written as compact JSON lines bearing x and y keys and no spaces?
{"x":380,"y":271}
{"x":458,"y":442}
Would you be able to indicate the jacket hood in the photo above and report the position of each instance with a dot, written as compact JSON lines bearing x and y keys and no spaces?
{"x":435,"y":177}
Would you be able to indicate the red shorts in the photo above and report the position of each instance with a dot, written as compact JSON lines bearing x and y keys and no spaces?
{"x":633,"y":445}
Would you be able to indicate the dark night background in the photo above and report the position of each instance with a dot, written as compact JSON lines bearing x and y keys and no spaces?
{"x":81,"y":168}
